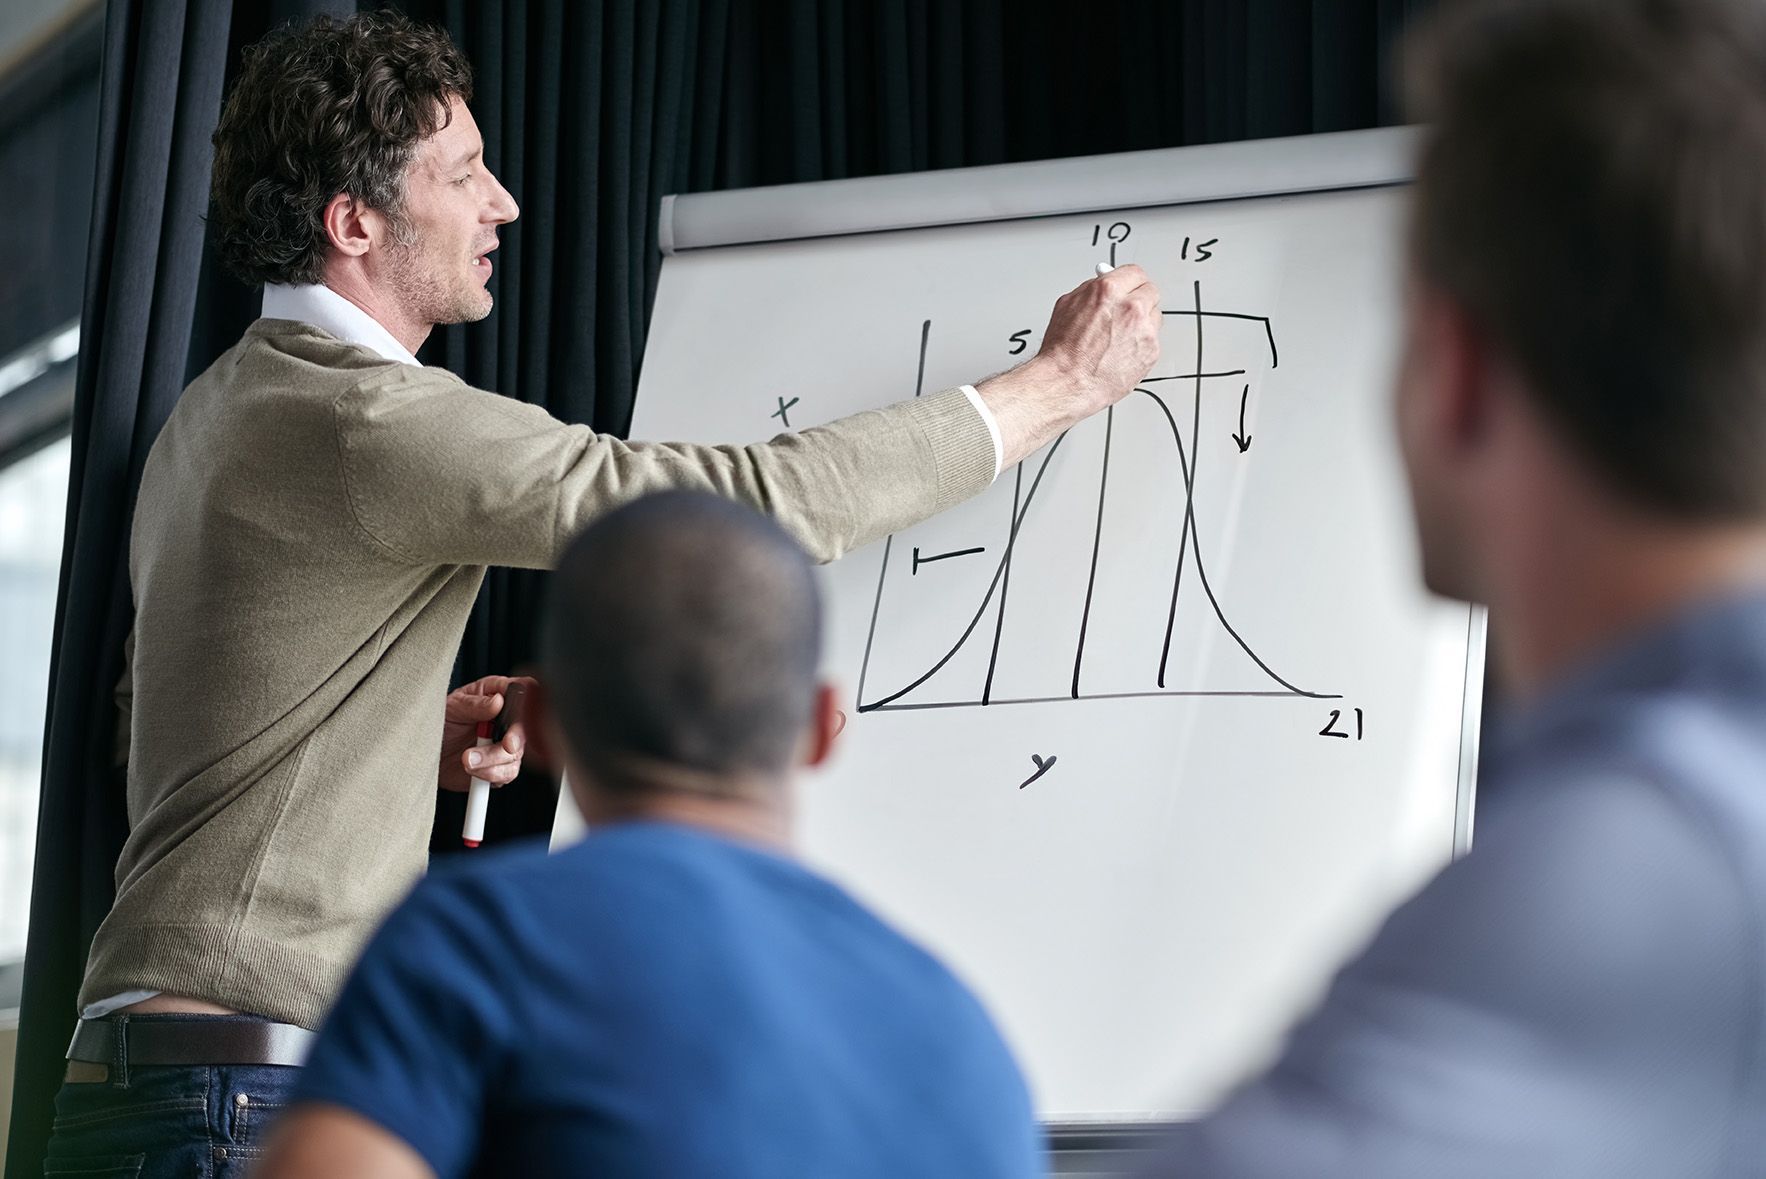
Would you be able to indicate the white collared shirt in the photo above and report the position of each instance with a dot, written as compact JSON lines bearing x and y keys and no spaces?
{"x":993,"y":428}
{"x":324,"y":308}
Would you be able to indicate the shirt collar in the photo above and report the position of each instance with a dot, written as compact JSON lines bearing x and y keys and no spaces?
{"x":329,"y":311}
{"x":1715,"y":644}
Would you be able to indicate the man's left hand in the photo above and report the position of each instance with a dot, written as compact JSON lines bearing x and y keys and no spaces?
{"x":461,"y":759}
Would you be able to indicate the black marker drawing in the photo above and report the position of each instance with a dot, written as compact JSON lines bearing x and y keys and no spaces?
{"x":783,"y":406}
{"x":1243,"y":439}
{"x":1231,"y":372}
{"x":919,"y":560}
{"x":1190,"y":566}
{"x":1043,"y":766}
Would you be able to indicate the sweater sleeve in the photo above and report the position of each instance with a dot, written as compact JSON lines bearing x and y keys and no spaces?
{"x":437,"y":472}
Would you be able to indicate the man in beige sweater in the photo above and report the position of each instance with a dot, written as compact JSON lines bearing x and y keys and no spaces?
{"x":312,"y":528}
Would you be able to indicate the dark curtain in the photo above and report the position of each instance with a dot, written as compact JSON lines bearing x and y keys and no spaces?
{"x":154,"y":311}
{"x":592,"y":110}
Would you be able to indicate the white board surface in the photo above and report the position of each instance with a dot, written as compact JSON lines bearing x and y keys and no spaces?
{"x":1147,"y":766}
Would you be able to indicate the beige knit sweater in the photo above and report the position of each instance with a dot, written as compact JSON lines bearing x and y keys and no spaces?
{"x":312,"y":528}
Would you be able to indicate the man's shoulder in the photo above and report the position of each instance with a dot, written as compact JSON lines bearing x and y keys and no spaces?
{"x":511,"y":869}
{"x":698,"y":877}
{"x":644,"y":889}
{"x":472,"y":913}
{"x":619,"y":869}
{"x":1597,"y":892}
{"x":278,"y":361}
{"x":1673,"y":771}
{"x":289,"y":341}
{"x":1678,"y":705}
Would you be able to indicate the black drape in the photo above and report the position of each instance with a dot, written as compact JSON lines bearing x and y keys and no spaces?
{"x":147,"y":274}
{"x":592,"y":110}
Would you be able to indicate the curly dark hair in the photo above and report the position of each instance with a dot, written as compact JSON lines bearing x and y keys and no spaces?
{"x":324,"y":108}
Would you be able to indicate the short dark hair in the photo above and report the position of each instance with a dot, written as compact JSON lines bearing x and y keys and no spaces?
{"x":1592,"y":190}
{"x":325,"y":108}
{"x":683,"y":629}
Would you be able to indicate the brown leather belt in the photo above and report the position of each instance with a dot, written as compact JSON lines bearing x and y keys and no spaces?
{"x":130,"y":1042}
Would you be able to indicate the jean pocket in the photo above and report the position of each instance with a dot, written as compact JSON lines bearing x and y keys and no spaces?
{"x":104,"y":1166}
{"x":110,"y":1112}
{"x":105,"y":1121}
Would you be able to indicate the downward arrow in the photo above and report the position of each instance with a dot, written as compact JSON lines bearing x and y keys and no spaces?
{"x":1242,"y":438}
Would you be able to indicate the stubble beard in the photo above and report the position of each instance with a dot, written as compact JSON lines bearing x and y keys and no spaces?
{"x":433,"y":293}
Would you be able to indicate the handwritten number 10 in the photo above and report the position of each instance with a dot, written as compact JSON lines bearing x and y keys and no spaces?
{"x":1117,"y":233}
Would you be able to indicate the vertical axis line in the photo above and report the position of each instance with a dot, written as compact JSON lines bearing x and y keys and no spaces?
{"x":1189,"y":496}
{"x":999,"y":625}
{"x":1097,"y":544}
{"x":998,"y":575}
{"x":871,"y":635}
{"x":920,"y":380}
{"x":864,"y":666}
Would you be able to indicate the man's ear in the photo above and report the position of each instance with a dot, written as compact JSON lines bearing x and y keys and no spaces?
{"x":1465,"y":364}
{"x":346,"y":225}
{"x":826,"y":722}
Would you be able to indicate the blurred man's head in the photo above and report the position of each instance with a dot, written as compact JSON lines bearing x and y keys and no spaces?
{"x":346,"y":155}
{"x":680,"y":654}
{"x":1588,"y":269}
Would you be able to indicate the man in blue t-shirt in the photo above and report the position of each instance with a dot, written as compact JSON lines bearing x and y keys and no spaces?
{"x":676,"y":995}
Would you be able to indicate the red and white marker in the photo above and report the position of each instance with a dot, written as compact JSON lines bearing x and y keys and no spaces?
{"x":478,"y":797}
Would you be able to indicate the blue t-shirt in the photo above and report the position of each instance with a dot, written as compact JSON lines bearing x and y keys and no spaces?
{"x":661,"y":1001}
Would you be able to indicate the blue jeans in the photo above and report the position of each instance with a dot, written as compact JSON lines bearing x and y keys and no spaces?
{"x":167,"y":1121}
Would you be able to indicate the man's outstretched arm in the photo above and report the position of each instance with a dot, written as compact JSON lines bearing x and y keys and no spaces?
{"x":436,"y":472}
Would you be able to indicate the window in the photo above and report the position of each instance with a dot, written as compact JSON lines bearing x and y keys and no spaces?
{"x":33,"y":493}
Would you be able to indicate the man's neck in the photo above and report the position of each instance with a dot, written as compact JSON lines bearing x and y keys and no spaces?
{"x":756,"y":814}
{"x":349,"y":283}
{"x":1577,"y":589}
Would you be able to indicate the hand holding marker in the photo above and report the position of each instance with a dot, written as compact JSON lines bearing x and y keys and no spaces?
{"x":478,"y":795}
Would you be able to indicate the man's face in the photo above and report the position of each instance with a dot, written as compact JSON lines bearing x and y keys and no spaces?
{"x":453,"y":206}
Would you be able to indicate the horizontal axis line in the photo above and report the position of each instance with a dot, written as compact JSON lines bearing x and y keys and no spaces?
{"x":1099,"y":696}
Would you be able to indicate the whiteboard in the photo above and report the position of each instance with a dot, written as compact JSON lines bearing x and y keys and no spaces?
{"x":1146,"y":739}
